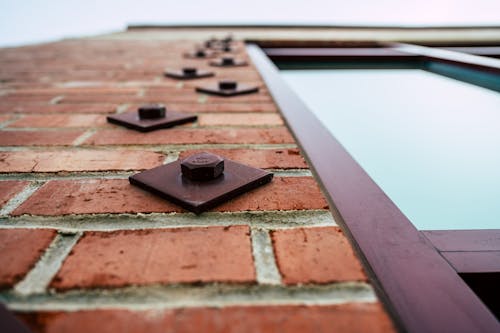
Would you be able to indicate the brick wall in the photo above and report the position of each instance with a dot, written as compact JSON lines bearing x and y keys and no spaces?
{"x":82,"y":250}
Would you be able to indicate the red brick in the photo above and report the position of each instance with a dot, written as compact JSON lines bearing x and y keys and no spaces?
{"x":180,"y":255}
{"x":315,"y":255}
{"x":62,"y":197}
{"x":348,"y":318}
{"x":192,"y":136}
{"x":38,"y":138}
{"x":240,"y":119}
{"x":266,"y":159}
{"x":98,"y":98}
{"x":20,"y":249}
{"x":78,"y":160}
{"x":10,"y":188}
{"x":57,"y":108}
{"x":21,"y":99}
{"x":74,"y":91}
{"x":60,"y":121}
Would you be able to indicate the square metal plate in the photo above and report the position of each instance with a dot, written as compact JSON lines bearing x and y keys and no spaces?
{"x":132,"y":120}
{"x":241,"y":89}
{"x":168,"y":182}
{"x":179,"y":74}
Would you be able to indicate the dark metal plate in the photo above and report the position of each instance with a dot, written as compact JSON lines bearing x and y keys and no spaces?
{"x":213,"y":89}
{"x":198,"y":196}
{"x":9,"y":323}
{"x":132,"y":120}
{"x":236,"y":63}
{"x":179,"y":74}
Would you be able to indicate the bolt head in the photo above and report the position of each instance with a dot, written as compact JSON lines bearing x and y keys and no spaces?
{"x":202,"y":166}
{"x":152,"y":111}
{"x":200,"y":53}
{"x":227,"y":60}
{"x":228,"y":85}
{"x":189,"y":70}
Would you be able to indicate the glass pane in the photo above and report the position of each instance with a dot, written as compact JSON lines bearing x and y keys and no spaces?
{"x":431,"y":143}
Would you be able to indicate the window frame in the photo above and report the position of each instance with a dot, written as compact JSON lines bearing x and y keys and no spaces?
{"x":420,"y":289}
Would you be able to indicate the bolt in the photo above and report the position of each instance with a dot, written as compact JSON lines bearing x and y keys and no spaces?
{"x":227,"y":85}
{"x":200,"y":53}
{"x":152,"y":111}
{"x":189,"y":71}
{"x":202,"y":166}
{"x":227,"y":48}
{"x":227,"y":60}
{"x":228,"y":39}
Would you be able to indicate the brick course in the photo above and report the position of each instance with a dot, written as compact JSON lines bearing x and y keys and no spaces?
{"x":59,"y":121}
{"x":38,"y":138}
{"x":245,"y":119}
{"x":192,"y":136}
{"x":249,"y":319}
{"x":78,"y":160}
{"x":63,"y":197}
{"x":23,"y":107}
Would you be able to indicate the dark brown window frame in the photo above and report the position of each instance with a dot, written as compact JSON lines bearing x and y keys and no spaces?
{"x":421,"y":290}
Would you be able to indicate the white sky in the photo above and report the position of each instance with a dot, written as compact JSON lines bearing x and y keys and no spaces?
{"x":32,"y":21}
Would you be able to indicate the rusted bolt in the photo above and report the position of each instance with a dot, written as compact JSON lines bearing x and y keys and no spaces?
{"x":200,"y":53}
{"x":227,"y":85}
{"x":189,"y":71}
{"x":152,"y":111}
{"x":228,"y":39}
{"x":211,"y":42}
{"x":202,"y":166}
{"x":227,"y":48}
{"x":227,"y":60}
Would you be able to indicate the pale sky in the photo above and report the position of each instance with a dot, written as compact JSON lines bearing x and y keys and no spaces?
{"x":34,"y":21}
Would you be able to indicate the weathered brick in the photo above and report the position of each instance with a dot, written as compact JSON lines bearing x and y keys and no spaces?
{"x":315,"y":255}
{"x":180,"y":255}
{"x":98,"y":98}
{"x":77,"y":160}
{"x":192,"y":136}
{"x":60,"y":121}
{"x":21,"y":99}
{"x":38,"y":138}
{"x":263,"y":158}
{"x":62,"y":197}
{"x":10,"y":188}
{"x":57,"y":108}
{"x":240,"y":119}
{"x":74,"y":91}
{"x":20,"y":249}
{"x":347,"y":318}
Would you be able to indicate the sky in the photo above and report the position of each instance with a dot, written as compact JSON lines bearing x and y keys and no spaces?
{"x":34,"y":21}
